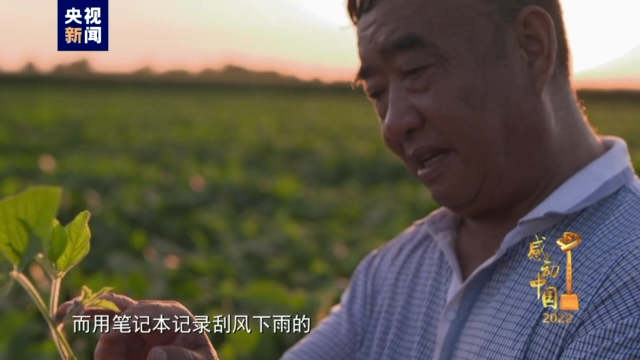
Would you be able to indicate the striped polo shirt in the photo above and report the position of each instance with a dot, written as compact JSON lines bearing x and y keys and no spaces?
{"x":407,"y":300}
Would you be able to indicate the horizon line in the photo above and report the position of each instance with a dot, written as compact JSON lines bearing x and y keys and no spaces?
{"x":30,"y":68}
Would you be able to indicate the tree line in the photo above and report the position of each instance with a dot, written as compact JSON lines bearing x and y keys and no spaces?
{"x":228,"y":74}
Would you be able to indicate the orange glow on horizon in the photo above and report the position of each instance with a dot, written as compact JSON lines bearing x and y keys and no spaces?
{"x":608,"y":84}
{"x":309,"y":39}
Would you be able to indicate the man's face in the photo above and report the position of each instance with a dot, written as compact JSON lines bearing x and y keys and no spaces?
{"x":453,"y":104}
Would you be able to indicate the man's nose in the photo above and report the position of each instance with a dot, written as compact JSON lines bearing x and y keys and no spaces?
{"x":401,"y":117}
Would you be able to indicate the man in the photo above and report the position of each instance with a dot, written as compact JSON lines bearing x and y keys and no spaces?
{"x":535,"y":253}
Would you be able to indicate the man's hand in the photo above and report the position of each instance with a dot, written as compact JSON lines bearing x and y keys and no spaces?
{"x":156,"y":345}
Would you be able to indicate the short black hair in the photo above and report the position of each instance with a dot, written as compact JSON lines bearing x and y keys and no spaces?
{"x":507,"y":10}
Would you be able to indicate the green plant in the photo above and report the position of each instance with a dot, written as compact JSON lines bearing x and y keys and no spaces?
{"x":30,"y":232}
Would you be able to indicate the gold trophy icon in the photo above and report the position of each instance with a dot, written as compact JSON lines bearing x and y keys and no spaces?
{"x":568,"y":242}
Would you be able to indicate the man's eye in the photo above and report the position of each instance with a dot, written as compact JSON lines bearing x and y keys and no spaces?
{"x":375,"y":95}
{"x":414,"y":71}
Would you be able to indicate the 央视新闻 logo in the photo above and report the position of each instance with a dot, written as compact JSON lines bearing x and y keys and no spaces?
{"x":83,"y":25}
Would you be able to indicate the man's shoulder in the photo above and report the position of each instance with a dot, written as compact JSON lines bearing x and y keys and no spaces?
{"x":618,"y":214}
{"x":631,"y":191}
{"x":612,"y":226}
{"x":611,"y":236}
{"x":606,"y":269}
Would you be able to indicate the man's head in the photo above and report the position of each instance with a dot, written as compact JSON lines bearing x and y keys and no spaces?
{"x":505,"y":12}
{"x":468,"y":92}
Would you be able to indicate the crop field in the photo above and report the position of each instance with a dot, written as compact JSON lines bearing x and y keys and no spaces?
{"x":231,"y":200}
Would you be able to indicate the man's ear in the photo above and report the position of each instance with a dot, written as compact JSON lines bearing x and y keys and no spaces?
{"x":538,"y":46}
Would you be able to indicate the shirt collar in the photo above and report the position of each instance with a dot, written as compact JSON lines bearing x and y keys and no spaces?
{"x":597,"y":180}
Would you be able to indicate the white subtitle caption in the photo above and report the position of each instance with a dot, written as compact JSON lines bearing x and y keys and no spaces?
{"x":219,"y":324}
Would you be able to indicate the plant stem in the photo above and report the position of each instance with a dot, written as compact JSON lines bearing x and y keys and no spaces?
{"x":61,"y":342}
{"x":54,"y":296}
{"x":53,"y":303}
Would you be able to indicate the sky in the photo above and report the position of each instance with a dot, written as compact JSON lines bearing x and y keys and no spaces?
{"x":305,"y":38}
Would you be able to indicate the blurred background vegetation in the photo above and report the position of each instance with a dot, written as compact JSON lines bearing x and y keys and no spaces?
{"x":230,"y":191}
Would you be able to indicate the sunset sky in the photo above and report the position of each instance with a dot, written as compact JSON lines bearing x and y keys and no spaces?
{"x":306,"y":38}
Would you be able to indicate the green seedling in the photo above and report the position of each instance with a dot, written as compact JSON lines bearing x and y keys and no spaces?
{"x":30,"y":232}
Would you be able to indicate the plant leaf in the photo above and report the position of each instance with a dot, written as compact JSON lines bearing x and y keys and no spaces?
{"x":102,"y":291}
{"x":37,"y":206}
{"x":90,"y":299}
{"x":33,"y":247}
{"x":6,"y":282}
{"x":78,"y":236}
{"x":104,"y":304}
{"x":57,"y":242}
{"x":85,"y":293}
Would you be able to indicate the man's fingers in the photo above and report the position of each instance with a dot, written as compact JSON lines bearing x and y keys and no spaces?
{"x":170,"y":352}
{"x":114,"y":350}
{"x":62,"y":310}
{"x":121,"y":301}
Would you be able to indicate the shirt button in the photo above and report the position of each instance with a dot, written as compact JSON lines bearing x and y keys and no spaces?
{"x":451,"y":315}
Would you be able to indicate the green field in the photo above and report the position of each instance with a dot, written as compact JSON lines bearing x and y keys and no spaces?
{"x":255,"y":201}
